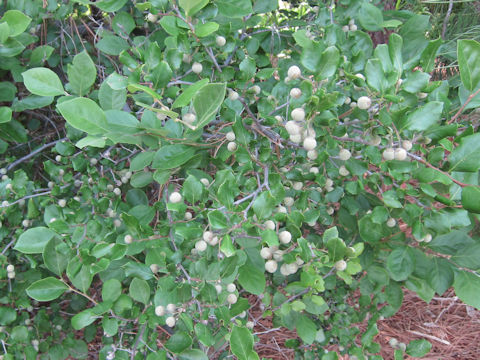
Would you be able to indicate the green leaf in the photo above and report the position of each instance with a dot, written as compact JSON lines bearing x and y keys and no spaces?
{"x":33,"y":241}
{"x":56,"y":256}
{"x":429,"y":54}
{"x":85,"y":115}
{"x":263,"y":205}
{"x":204,"y":334}
{"x":111,"y":99}
{"x":468,"y":256}
{"x":471,"y":199}
{"x":111,"y":290}
{"x":468,"y":53}
{"x":193,"y":354}
{"x":207,"y":101}
{"x":375,"y":76}
{"x":234,"y":8}
{"x":47,"y":289}
{"x":395,"y":44}
{"x":440,"y":275}
{"x":7,"y":315}
{"x":40,"y":54}
{"x":370,"y":17}
{"x":217,"y":220}
{"x":187,"y":95}
{"x":241,"y":342}
{"x":306,"y":329}
{"x":400,"y":263}
{"x":110,"y":5}
{"x":112,"y":45}
{"x":178,"y":342}
{"x":206,"y":29}
{"x":139,"y":290}
{"x":336,"y":249}
{"x":83,"y":319}
{"x":467,"y":288}
{"x":5,"y":114}
{"x":81,"y":73}
{"x":251,"y":279}
{"x":17,"y":21}
{"x":328,"y":62}
{"x":418,"y":348}
{"x":424,"y":117}
{"x":172,"y":156}
{"x":466,"y":156}
{"x":43,"y":82}
{"x":191,"y":7}
{"x":192,"y":189}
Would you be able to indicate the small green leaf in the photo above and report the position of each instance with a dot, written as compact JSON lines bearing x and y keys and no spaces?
{"x":251,"y":279}
{"x":5,"y":114}
{"x":83,"y":319}
{"x":471,"y":199}
{"x":43,"y":82}
{"x":306,"y":329}
{"x":466,"y":156}
{"x":17,"y":21}
{"x":172,"y":156}
{"x":47,"y":289}
{"x":241,"y":342}
{"x":33,"y":241}
{"x":467,"y":288}
{"x":191,"y":7}
{"x":468,"y":53}
{"x":424,"y":117}
{"x":400,"y":263}
{"x":85,"y":115}
{"x":140,"y":290}
{"x":206,"y":29}
{"x":111,"y":290}
{"x":418,"y":348}
{"x":207,"y":101}
{"x":217,"y":220}
{"x":178,"y":342}
{"x":81,"y":73}
{"x":370,"y":17}
{"x":192,"y":189}
{"x":187,"y":95}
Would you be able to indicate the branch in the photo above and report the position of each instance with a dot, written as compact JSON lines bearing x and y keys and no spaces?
{"x":454,"y":117}
{"x":447,"y":17}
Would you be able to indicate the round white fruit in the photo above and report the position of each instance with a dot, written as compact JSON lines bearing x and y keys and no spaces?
{"x":93,"y":161}
{"x":298,"y":114}
{"x":364,"y":102}
{"x":388,"y":154}
{"x":292,"y":268}
{"x":343,"y":171}
{"x":407,"y":145}
{"x":231,"y":299}
{"x":171,"y":308}
{"x":62,"y":203}
{"x":312,"y":155}
{"x":288,"y":201}
{"x":117,"y":191}
{"x":400,"y":154}
{"x":232,"y":146}
{"x":250,"y":325}
{"x":256,"y":89}
{"x":231,"y":288}
{"x":11,"y":275}
{"x":266,"y":253}
{"x":233,"y":95}
{"x":345,"y":28}
{"x":330,"y":210}
{"x":189,"y":118}
{"x":230,"y":136}
{"x":221,"y":41}
{"x":427,"y":238}
{"x":58,"y":158}
{"x":353,"y":27}
{"x":154,"y":268}
{"x":297,"y":139}
{"x":341,"y":265}
{"x":295,"y":93}
{"x":314,"y":170}
{"x":294,"y":72}
{"x":205,"y":181}
{"x":197,"y":68}
{"x":391,"y":222}
{"x":271,"y":266}
{"x":188,"y":215}
{"x":344,"y":154}
{"x":175,"y":197}
{"x":214,"y":241}
{"x":309,"y":143}
{"x":201,"y":245}
{"x":170,"y":321}
{"x":151,"y":17}
{"x":298,"y":185}
{"x":285,"y":237}
{"x":283,"y":270}
{"x":218,"y":288}
{"x":269,"y":224}
{"x":160,"y":310}
{"x":128,"y":239}
{"x":207,"y":236}
{"x":10,"y":268}
{"x":292,"y":128}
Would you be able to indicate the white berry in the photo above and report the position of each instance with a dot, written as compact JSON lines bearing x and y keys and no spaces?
{"x":285,"y":237}
{"x":283,"y":270}
{"x":298,"y":185}
{"x":151,"y":17}
{"x":10,"y":268}
{"x":292,"y":268}
{"x":309,"y":143}
{"x":197,"y":68}
{"x":160,"y":310}
{"x":314,"y":170}
{"x":188,"y":216}
{"x":343,"y":171}
{"x":330,"y":210}
{"x":250,"y":325}
{"x":341,"y":265}
{"x":271,"y":266}
{"x":231,"y":288}
{"x":294,"y":72}
{"x":364,"y":102}
{"x":232,"y":146}
{"x":388,"y":154}
{"x":221,"y":41}
{"x":204,"y":181}
{"x":353,"y":27}
{"x":171,"y":308}
{"x":230,"y":136}
{"x":297,"y":139}
{"x":269,"y":224}
{"x":289,"y":201}
{"x":407,"y":145}
{"x":427,"y":238}
{"x":128,"y":239}
{"x":201,"y":245}
{"x":117,"y":191}
{"x":175,"y":197}
{"x":218,"y":288}
{"x":298,"y":114}
{"x":256,"y":89}
{"x":266,"y":253}
{"x":189,"y":118}
{"x":344,"y":154}
{"x":62,"y":203}
{"x":400,"y":154}
{"x":312,"y":154}
{"x":207,"y":236}
{"x":170,"y":321}
{"x":214,"y":241}
{"x":295,"y":93}
{"x":11,"y":275}
{"x":391,"y":222}
{"x":233,"y":95}
{"x":231,"y":299}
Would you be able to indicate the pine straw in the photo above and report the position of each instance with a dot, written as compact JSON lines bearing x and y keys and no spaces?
{"x":452,"y":327}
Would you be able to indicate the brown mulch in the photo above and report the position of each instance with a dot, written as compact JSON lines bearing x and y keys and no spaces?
{"x":452,"y":328}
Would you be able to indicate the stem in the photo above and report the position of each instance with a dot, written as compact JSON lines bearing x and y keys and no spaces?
{"x":454,"y":117}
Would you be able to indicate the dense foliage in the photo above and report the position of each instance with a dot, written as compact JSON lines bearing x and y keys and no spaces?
{"x":163,"y":160}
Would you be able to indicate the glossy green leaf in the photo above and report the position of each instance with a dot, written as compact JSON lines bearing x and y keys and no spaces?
{"x":139,"y":290}
{"x":111,"y":99}
{"x":400,"y":263}
{"x":5,"y":114}
{"x":34,"y":240}
{"x":466,"y":156}
{"x":172,"y":156}
{"x":329,"y":61}
{"x":187,"y":95}
{"x":192,"y":189}
{"x":440,"y":275}
{"x":206,"y":29}
{"x":418,"y":348}
{"x":111,"y":290}
{"x":83,"y":319}
{"x":81,"y":73}
{"x":234,"y":8}
{"x":178,"y":342}
{"x":16,"y":20}
{"x":263,"y":205}
{"x":468,"y":53}
{"x":43,"y":82}
{"x":370,"y":17}
{"x":84,"y":114}
{"x":424,"y":117}
{"x":47,"y":289}
{"x":207,"y":101}
{"x":467,"y":288}
{"x":251,"y":279}
{"x":429,"y":54}
{"x":56,"y":255}
{"x":112,"y":45}
{"x":192,"y":354}
{"x":306,"y":329}
{"x":471,"y":199}
{"x":191,"y":7}
{"x":241,"y":342}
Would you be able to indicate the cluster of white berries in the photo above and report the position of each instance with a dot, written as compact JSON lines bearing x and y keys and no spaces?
{"x":350,"y":27}
{"x":427,"y":238}
{"x":232,"y":145}
{"x":11,"y":271}
{"x":398,"y":153}
{"x":162,"y":310}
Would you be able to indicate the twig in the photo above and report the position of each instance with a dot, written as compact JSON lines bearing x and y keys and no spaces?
{"x":212,"y":56}
{"x":431,"y":337}
{"x":447,"y":17}
{"x":454,"y":117}
{"x":33,"y":153}
{"x":137,"y":342}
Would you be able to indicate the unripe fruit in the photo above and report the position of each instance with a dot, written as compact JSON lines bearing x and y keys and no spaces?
{"x":344,"y":154}
{"x":314,"y":170}
{"x":197,"y":68}
{"x":61,"y":172}
{"x":364,"y":102}
{"x":402,"y":346}
{"x":298,"y":114}
{"x":175,"y":197}
{"x":292,"y":268}
{"x":171,"y":308}
{"x":218,"y":287}
{"x":343,"y":171}
{"x":353,"y":27}
{"x":207,"y":236}
{"x":281,"y":209}
{"x":250,"y":325}
{"x":345,"y":28}
{"x":330,"y":210}
{"x":297,"y":139}
{"x":9,"y":186}
{"x":221,"y":41}
{"x":271,"y":266}
{"x":278,"y":118}
{"x":233,"y":95}
{"x":58,"y":158}
{"x":375,"y":140}
{"x":232,"y":146}
{"x":231,"y":288}
{"x":50,"y":184}
{"x":285,"y":237}
{"x":11,"y":275}
{"x":388,"y":154}
{"x":62,"y":203}
{"x":295,"y":93}
{"x":256,"y":89}
{"x":422,"y":95}
{"x":309,"y":143}
{"x":214,"y":241}
{"x":189,"y":118}
{"x":154,"y":268}
{"x":152,"y":17}
{"x":328,"y":183}
{"x":230,"y":136}
{"x":160,"y":310}
{"x":391,"y":222}
{"x":341,"y":265}
{"x":283,"y":270}
{"x":93,"y":161}
{"x":407,"y":145}
{"x":312,"y":155}
{"x":188,"y":215}
{"x":289,"y":201}
{"x":3,"y":171}
{"x":294,"y":72}
{"x":427,"y":238}
{"x":269,"y":224}
{"x":205,"y":181}
{"x":400,"y":154}
{"x":231,"y":299}
{"x":201,"y":245}
{"x":128,"y":239}
{"x":117,"y":191}
{"x":266,"y":253}
{"x":393,"y":342}
{"x":170,"y":321}
{"x":298,"y":185}
{"x":10,"y":268}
